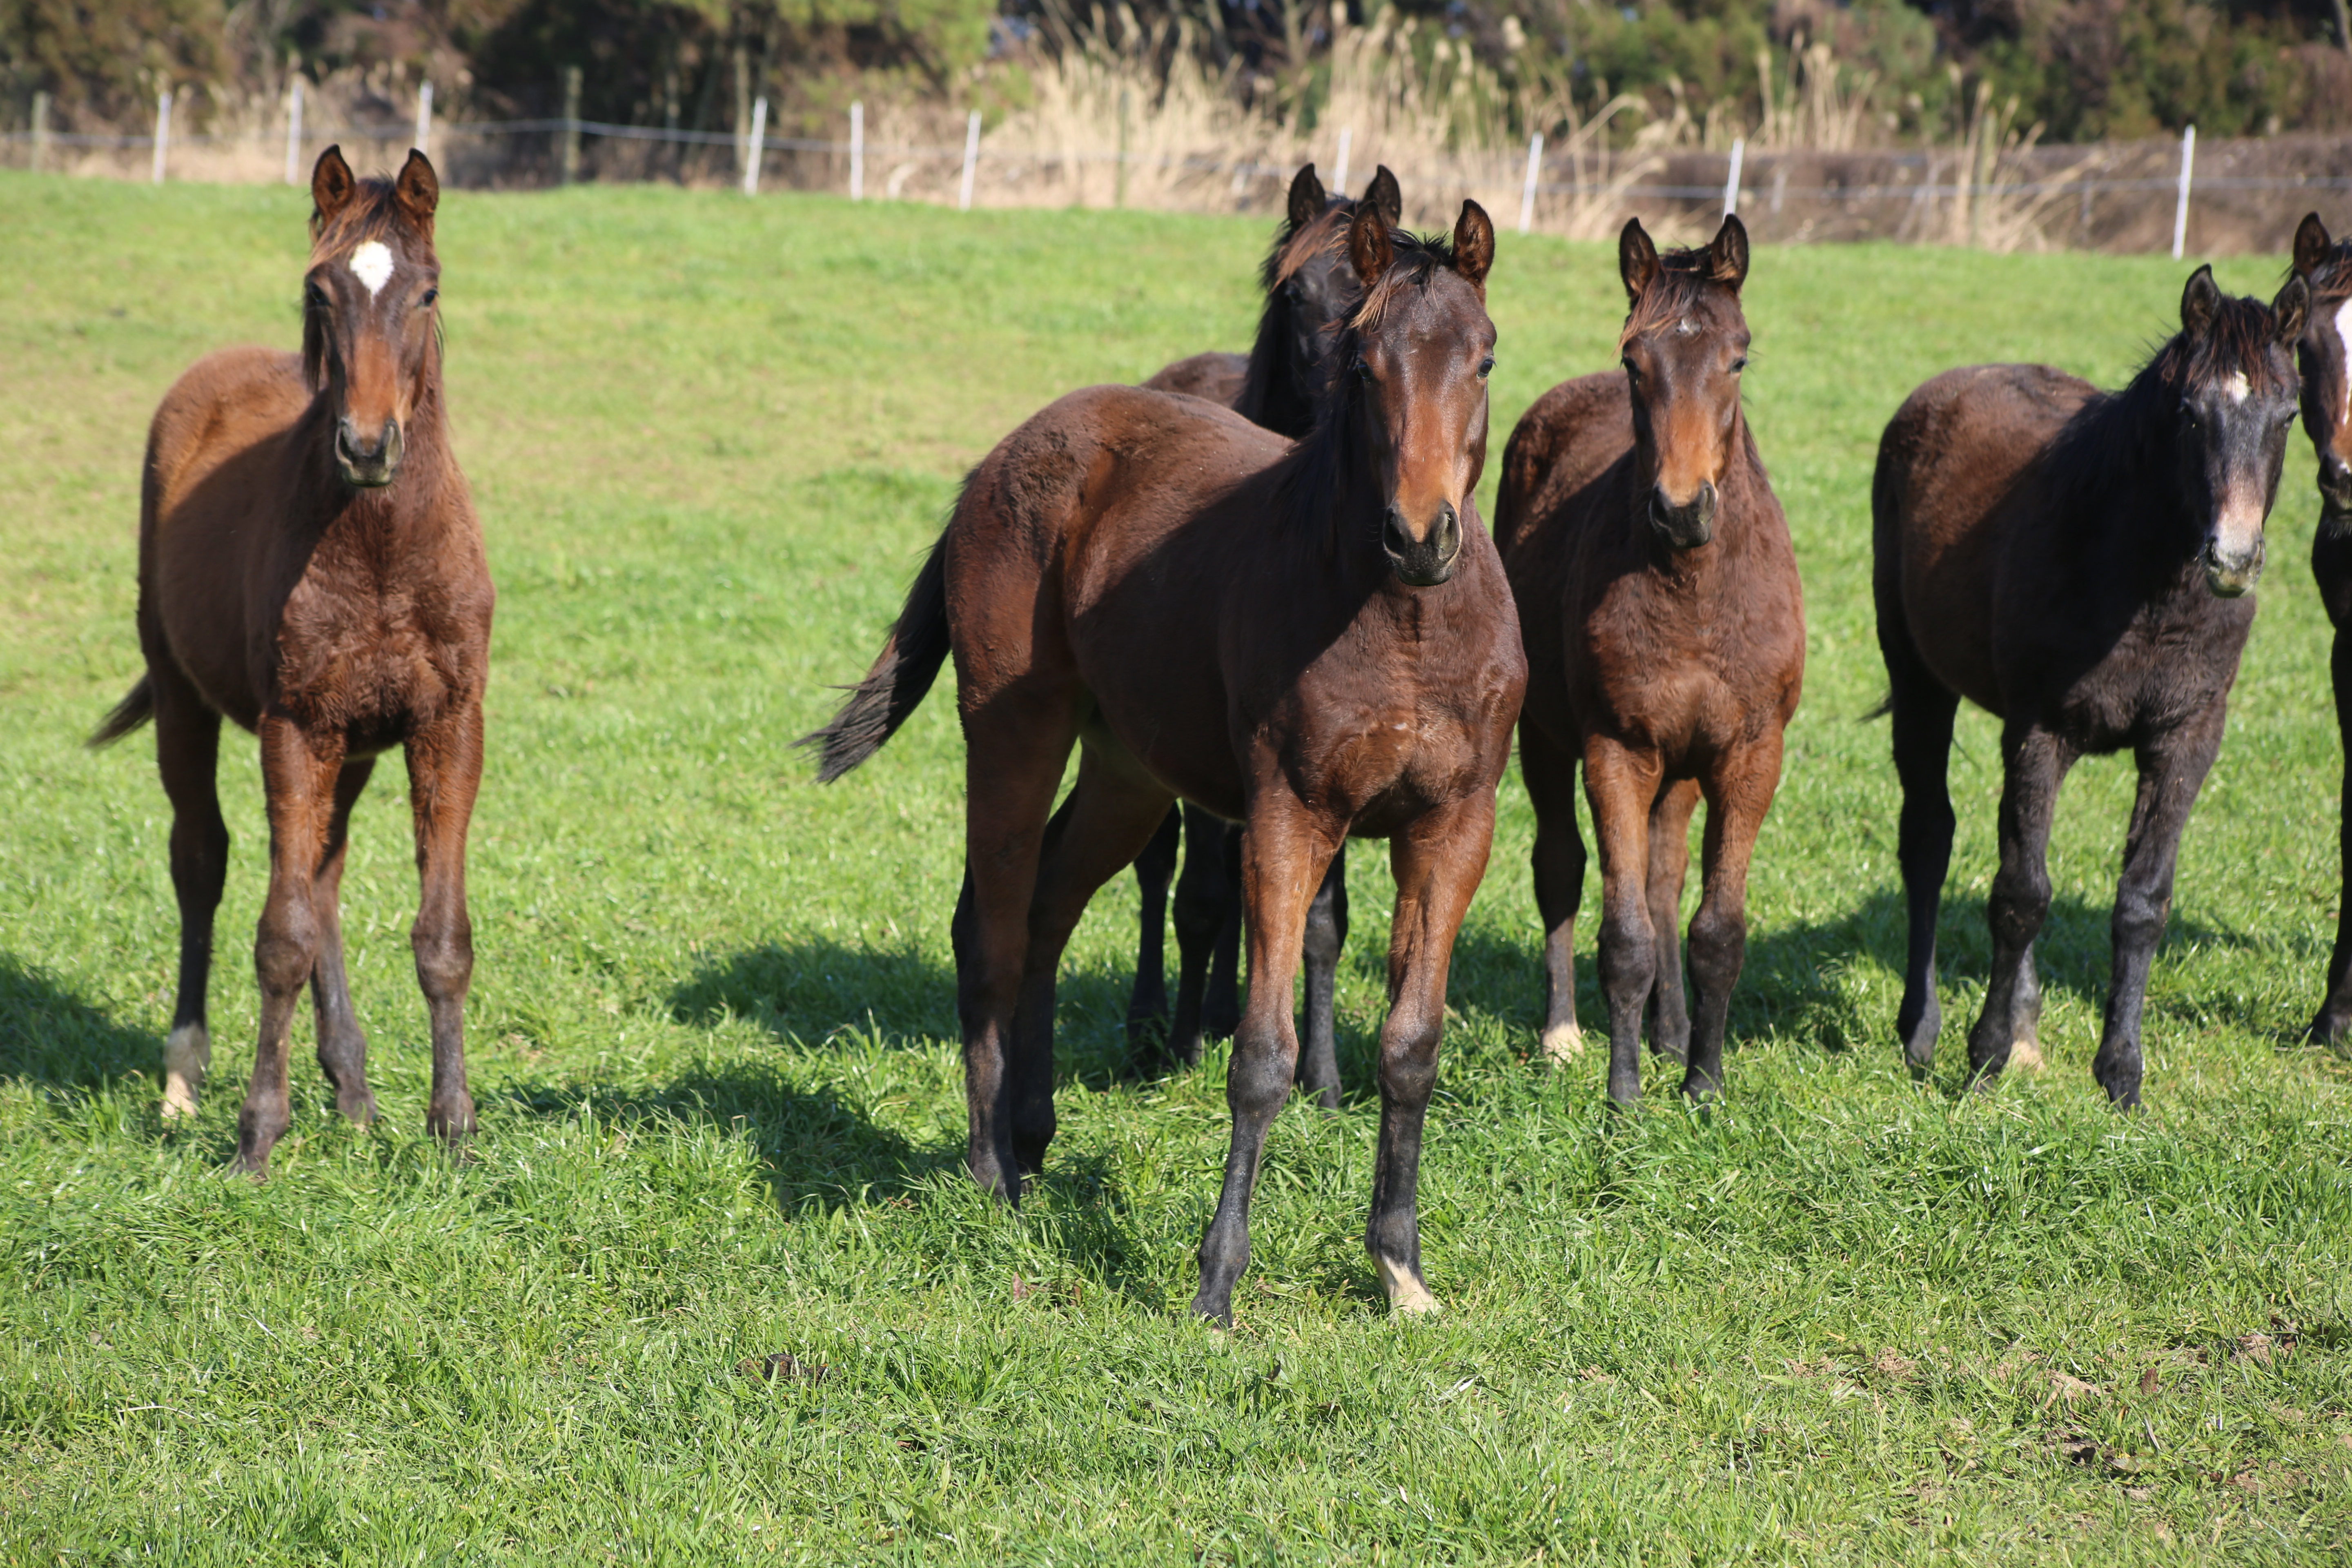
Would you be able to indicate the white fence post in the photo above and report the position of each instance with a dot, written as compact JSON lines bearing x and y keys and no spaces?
{"x":424,"y":116}
{"x":1732,"y":185}
{"x":857,"y":151}
{"x":1528,"y":186}
{"x":294,"y":135}
{"x":162,"y":130}
{"x":971,"y":158}
{"x":753,"y":148}
{"x":2180,"y":210}
{"x":1339,"y":170}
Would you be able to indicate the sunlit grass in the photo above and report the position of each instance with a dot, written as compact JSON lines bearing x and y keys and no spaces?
{"x":1844,"y":1317}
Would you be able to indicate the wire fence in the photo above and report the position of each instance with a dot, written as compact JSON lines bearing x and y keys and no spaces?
{"x":2237,"y":196}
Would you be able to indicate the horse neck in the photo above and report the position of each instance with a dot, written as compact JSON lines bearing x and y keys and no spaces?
{"x":1271,"y":396}
{"x":2119,"y":478}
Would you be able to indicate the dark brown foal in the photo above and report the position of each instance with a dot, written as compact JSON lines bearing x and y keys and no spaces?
{"x":1666,"y":635}
{"x":1314,"y":640}
{"x":2079,"y":563}
{"x":2323,"y":355}
{"x":310,"y":565}
{"x":1311,"y":289}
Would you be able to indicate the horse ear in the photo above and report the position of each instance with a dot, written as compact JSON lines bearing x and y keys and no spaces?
{"x":332,"y":186}
{"x":2290,"y":309}
{"x":1637,"y":259}
{"x":1370,"y":248}
{"x":1383,"y":197}
{"x":1473,"y":245}
{"x":2199,"y":303}
{"x":2311,"y":243}
{"x":1306,"y":198}
{"x":418,"y":190}
{"x":1727,"y":257}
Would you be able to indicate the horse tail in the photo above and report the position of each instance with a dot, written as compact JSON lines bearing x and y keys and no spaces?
{"x":130,"y":713}
{"x":903,"y":671}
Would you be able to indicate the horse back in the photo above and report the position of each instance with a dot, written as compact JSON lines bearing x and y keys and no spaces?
{"x":1958,"y":479}
{"x":1218,"y":377}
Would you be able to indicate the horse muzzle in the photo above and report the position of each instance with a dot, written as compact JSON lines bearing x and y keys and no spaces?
{"x":367,"y":465}
{"x":1686,"y":526}
{"x":1425,"y":562}
{"x":2233,"y":574}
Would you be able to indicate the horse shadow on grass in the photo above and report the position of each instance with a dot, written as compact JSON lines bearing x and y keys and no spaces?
{"x":50,"y":1037}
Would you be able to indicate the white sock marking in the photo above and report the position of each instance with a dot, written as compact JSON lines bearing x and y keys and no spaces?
{"x":372,"y":265}
{"x":186,"y":1056}
{"x":1562,"y":1044}
{"x":1406,"y":1294}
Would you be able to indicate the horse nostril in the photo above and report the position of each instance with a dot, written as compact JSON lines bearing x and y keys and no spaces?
{"x":1705,"y":503}
{"x":1395,"y":538}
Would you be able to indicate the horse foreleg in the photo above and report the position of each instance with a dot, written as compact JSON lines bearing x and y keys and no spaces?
{"x":2171,"y":771}
{"x":1738,"y":794}
{"x":1669,"y":1012}
{"x":1105,"y":821}
{"x":342,"y":1046}
{"x":2335,"y":1014}
{"x":1549,"y":772}
{"x":1438,"y":862}
{"x":2033,"y":765}
{"x":1147,"y":1004}
{"x":297,"y":775}
{"x":1326,"y":934}
{"x":445,"y":771}
{"x":187,"y":755}
{"x":1284,"y":852}
{"x":1621,"y":784}
{"x":1205,"y":898}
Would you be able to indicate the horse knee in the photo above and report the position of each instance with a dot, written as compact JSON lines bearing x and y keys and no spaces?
{"x":1719,"y":947}
{"x":2139,"y":917}
{"x":1629,"y":954}
{"x":1258,"y":1079}
{"x":2020,"y":901}
{"x":285,"y":949}
{"x":444,"y":959}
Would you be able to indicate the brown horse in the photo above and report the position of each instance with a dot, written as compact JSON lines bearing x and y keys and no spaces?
{"x":2077,"y":564}
{"x":1313,"y":640}
{"x":310,"y":565}
{"x":1311,"y":289}
{"x":2324,"y":354}
{"x":1665,"y":634}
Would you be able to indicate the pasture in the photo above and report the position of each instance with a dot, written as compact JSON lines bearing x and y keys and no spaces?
{"x":712,"y":1285}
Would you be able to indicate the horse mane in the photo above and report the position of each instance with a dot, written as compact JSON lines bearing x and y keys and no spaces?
{"x":372,"y":212}
{"x":1681,"y":280}
{"x":1292,"y":249}
{"x":1314,"y":476}
{"x":2116,"y":434}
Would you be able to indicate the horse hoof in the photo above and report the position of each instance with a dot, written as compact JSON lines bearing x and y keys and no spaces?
{"x":1217,"y":1313}
{"x":2025,"y":1051}
{"x":1406,"y":1293}
{"x":1562,"y":1044}
{"x":453,"y":1125}
{"x":357,"y":1108}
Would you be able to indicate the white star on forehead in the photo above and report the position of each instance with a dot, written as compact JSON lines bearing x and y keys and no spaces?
{"x":2236,"y":387}
{"x":372,"y":265}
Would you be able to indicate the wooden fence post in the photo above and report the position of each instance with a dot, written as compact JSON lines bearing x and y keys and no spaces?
{"x":568,"y":170}
{"x":1528,"y":186}
{"x":162,"y":130}
{"x":40,"y":129}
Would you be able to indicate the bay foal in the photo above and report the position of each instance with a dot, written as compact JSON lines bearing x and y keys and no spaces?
{"x":1665,"y":636}
{"x":310,"y":565}
{"x":2324,"y":354}
{"x":1312,"y":640}
{"x":1311,"y":289}
{"x":2079,"y":564}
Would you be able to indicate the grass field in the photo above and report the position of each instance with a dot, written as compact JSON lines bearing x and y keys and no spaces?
{"x":1841,"y":1319}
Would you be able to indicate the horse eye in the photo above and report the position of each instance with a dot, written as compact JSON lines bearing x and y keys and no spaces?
{"x":430,"y":295}
{"x":313,"y":296}
{"x":1630,"y":368}
{"x":1486,"y":367}
{"x":1740,"y":364}
{"x":1360,"y":371}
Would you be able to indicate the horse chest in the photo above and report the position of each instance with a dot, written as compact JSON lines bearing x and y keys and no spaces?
{"x":1681,"y":676}
{"x":368,"y":665}
{"x":2171,"y":663}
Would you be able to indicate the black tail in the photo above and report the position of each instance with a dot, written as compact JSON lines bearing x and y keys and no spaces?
{"x":902,"y":673}
{"x":129,"y":714}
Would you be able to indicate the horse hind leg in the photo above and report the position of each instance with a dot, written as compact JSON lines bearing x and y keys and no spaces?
{"x":342,"y":1045}
{"x":187,"y":755}
{"x":1559,"y":861}
{"x":1669,"y":1011}
{"x":1326,"y":934}
{"x":1922,"y":710}
{"x":2334,"y":1015}
{"x":1105,"y":821}
{"x":1147,"y":1007}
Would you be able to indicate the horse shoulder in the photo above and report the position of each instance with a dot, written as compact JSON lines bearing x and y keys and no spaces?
{"x":222,"y":404}
{"x":1566,"y":437}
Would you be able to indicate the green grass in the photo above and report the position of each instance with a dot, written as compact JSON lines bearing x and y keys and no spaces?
{"x":1841,"y":1319}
